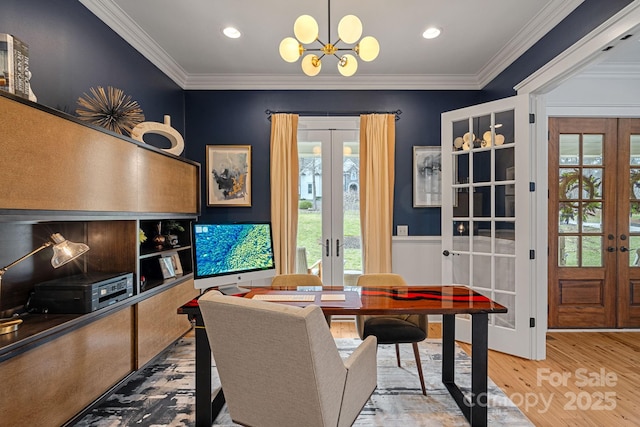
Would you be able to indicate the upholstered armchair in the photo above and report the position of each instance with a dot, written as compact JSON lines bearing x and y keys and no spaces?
{"x":393,"y":329}
{"x":279,"y":365}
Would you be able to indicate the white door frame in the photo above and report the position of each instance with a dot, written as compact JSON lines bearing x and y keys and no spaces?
{"x":564,"y":66}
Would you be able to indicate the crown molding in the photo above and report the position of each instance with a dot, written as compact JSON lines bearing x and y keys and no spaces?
{"x":584,"y":52}
{"x":122,"y":24}
{"x":628,"y":70}
{"x":553,"y":12}
{"x":357,"y":82}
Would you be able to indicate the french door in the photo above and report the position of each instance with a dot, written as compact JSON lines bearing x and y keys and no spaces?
{"x":329,"y":215}
{"x":594,"y":222}
{"x":486,"y":219}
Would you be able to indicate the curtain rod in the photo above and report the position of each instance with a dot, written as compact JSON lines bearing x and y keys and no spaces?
{"x":332,"y":113}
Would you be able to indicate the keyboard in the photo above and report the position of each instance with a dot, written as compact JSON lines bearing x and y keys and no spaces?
{"x":285,"y":297}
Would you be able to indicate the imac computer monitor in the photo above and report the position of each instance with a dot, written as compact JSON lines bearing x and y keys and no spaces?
{"x":228,"y":254}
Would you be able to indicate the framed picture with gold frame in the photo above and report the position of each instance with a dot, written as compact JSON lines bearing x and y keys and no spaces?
{"x":228,"y":175}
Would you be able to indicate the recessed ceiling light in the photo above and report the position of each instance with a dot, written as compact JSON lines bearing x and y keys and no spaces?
{"x":431,"y":33}
{"x":231,"y":32}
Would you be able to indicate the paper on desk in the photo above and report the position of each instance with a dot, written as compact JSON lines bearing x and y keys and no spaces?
{"x":332,"y":297}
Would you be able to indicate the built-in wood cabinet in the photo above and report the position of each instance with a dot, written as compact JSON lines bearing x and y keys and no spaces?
{"x":52,"y":382}
{"x":60,"y":175}
{"x":157,"y":323}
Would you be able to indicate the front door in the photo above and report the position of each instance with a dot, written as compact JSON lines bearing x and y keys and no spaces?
{"x":329,"y":215}
{"x":594,"y":222}
{"x":486,"y":216}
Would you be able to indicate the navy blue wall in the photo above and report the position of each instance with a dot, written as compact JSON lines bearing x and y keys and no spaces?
{"x":584,"y":19}
{"x":70,"y":51}
{"x":238,"y":117}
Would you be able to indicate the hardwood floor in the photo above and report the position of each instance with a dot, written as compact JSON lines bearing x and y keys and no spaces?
{"x":588,"y":378}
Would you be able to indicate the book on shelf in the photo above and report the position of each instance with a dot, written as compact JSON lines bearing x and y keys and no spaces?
{"x":15,"y":74}
{"x":6,"y":63}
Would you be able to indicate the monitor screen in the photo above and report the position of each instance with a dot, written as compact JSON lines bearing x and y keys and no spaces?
{"x":232,"y":253}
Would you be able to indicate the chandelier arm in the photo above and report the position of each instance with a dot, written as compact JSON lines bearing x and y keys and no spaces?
{"x":328,"y":19}
{"x":321,"y":42}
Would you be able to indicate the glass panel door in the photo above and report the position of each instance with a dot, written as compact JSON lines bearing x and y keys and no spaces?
{"x":582,"y":226}
{"x":485,"y":245}
{"x":329,"y":207}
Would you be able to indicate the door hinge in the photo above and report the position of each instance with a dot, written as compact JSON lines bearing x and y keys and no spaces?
{"x":532,"y":322}
{"x":532,"y":118}
{"x":532,"y":187}
{"x":532,"y":254}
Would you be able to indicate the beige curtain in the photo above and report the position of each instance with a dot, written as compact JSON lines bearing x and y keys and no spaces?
{"x":284,"y":190}
{"x":377,"y":172}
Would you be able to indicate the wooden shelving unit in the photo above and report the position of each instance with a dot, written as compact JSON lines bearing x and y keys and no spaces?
{"x":93,"y":186}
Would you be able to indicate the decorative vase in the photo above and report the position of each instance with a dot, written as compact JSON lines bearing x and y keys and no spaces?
{"x":159,"y":239}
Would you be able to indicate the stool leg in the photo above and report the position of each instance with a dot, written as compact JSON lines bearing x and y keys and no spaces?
{"x":419,"y":366}
{"x":398,"y":355}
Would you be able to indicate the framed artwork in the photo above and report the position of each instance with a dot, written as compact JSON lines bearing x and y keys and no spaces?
{"x":427,"y":176}
{"x":166,"y":266}
{"x":228,"y":175}
{"x":177,"y":264}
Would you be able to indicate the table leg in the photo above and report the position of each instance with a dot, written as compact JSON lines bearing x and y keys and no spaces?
{"x":479,"y":363}
{"x":474,"y":409}
{"x":448,"y":348}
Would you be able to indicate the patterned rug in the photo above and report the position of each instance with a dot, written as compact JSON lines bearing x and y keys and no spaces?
{"x":162,"y":394}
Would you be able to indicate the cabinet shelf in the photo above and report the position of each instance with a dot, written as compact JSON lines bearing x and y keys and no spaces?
{"x":150,"y":253}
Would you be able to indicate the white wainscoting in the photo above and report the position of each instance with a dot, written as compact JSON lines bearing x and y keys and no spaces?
{"x":418,"y":259}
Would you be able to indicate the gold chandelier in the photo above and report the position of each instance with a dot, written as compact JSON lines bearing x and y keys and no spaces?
{"x":349,"y":31}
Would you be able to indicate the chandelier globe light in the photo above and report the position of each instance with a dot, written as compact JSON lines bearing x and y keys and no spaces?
{"x":305,"y":29}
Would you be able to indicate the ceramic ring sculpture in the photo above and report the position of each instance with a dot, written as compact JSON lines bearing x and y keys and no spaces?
{"x":164,"y":129}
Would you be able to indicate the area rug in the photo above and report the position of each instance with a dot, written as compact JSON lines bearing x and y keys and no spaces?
{"x":162,"y":394}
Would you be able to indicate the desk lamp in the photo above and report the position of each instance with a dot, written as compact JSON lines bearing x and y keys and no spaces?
{"x":63,"y":252}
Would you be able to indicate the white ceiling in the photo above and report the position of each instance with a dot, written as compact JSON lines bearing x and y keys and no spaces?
{"x":479,"y":40}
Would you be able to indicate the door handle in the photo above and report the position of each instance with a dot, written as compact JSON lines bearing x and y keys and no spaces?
{"x":611,"y":249}
{"x":624,"y":249}
{"x":327,"y":247}
{"x":446,"y":253}
{"x":337,"y":247}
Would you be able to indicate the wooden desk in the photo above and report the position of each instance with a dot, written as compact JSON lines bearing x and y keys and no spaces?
{"x":445,"y":300}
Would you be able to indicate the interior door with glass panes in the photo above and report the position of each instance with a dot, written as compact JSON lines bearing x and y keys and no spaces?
{"x":486,"y":215}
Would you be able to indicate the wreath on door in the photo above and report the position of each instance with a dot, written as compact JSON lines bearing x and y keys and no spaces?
{"x":570,"y":184}
{"x":634,"y":182}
